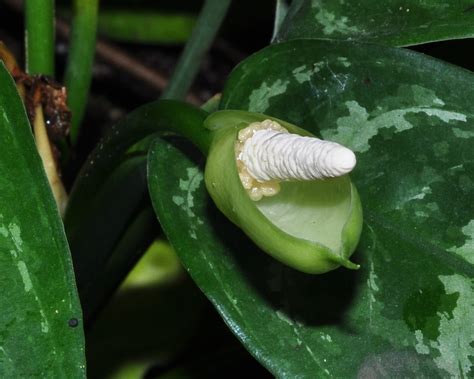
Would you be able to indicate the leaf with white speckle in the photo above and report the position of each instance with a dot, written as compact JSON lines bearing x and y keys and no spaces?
{"x":389,"y":22}
{"x":405,"y":313}
{"x":36,"y":278}
{"x":399,"y":315}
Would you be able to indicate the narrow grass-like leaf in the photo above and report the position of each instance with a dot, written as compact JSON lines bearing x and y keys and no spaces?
{"x":78,"y":74}
{"x":207,"y":26}
{"x":39,"y":298}
{"x":146,"y":26}
{"x":281,"y":10}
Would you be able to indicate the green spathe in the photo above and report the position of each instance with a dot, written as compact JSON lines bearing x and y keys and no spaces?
{"x":313,"y":227}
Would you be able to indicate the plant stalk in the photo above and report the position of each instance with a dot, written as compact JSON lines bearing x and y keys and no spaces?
{"x":45,"y":151}
{"x":78,"y":74}
{"x":207,"y":26}
{"x":39,"y":37}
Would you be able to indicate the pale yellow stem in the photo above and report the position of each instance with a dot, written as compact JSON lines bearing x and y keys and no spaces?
{"x":10,"y":63}
{"x":46,"y":153}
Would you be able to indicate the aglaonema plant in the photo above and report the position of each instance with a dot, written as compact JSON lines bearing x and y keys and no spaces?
{"x":259,"y":182}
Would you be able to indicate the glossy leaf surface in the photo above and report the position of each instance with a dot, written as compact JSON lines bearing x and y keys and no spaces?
{"x":38,"y":293}
{"x":391,"y":22}
{"x":408,"y":311}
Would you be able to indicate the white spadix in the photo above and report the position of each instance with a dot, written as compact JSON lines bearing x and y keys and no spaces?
{"x":267,"y":154}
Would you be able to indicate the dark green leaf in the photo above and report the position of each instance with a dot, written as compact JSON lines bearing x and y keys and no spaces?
{"x":38,"y":293}
{"x":408,"y":311}
{"x":391,"y":22}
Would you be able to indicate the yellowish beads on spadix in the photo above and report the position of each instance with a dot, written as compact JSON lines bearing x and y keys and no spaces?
{"x":255,"y":188}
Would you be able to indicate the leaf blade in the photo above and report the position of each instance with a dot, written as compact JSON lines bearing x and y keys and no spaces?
{"x":398,"y":314}
{"x":391,"y":22}
{"x":38,"y":289}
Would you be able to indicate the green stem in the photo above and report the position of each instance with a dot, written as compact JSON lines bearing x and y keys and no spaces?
{"x":162,"y":117}
{"x":80,"y":60}
{"x":146,"y":26}
{"x":39,"y":36}
{"x":208,"y":23}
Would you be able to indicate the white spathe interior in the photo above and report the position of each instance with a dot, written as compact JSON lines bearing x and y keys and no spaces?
{"x":313,"y":210}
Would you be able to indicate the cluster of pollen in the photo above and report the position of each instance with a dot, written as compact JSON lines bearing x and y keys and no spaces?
{"x":255,"y":188}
